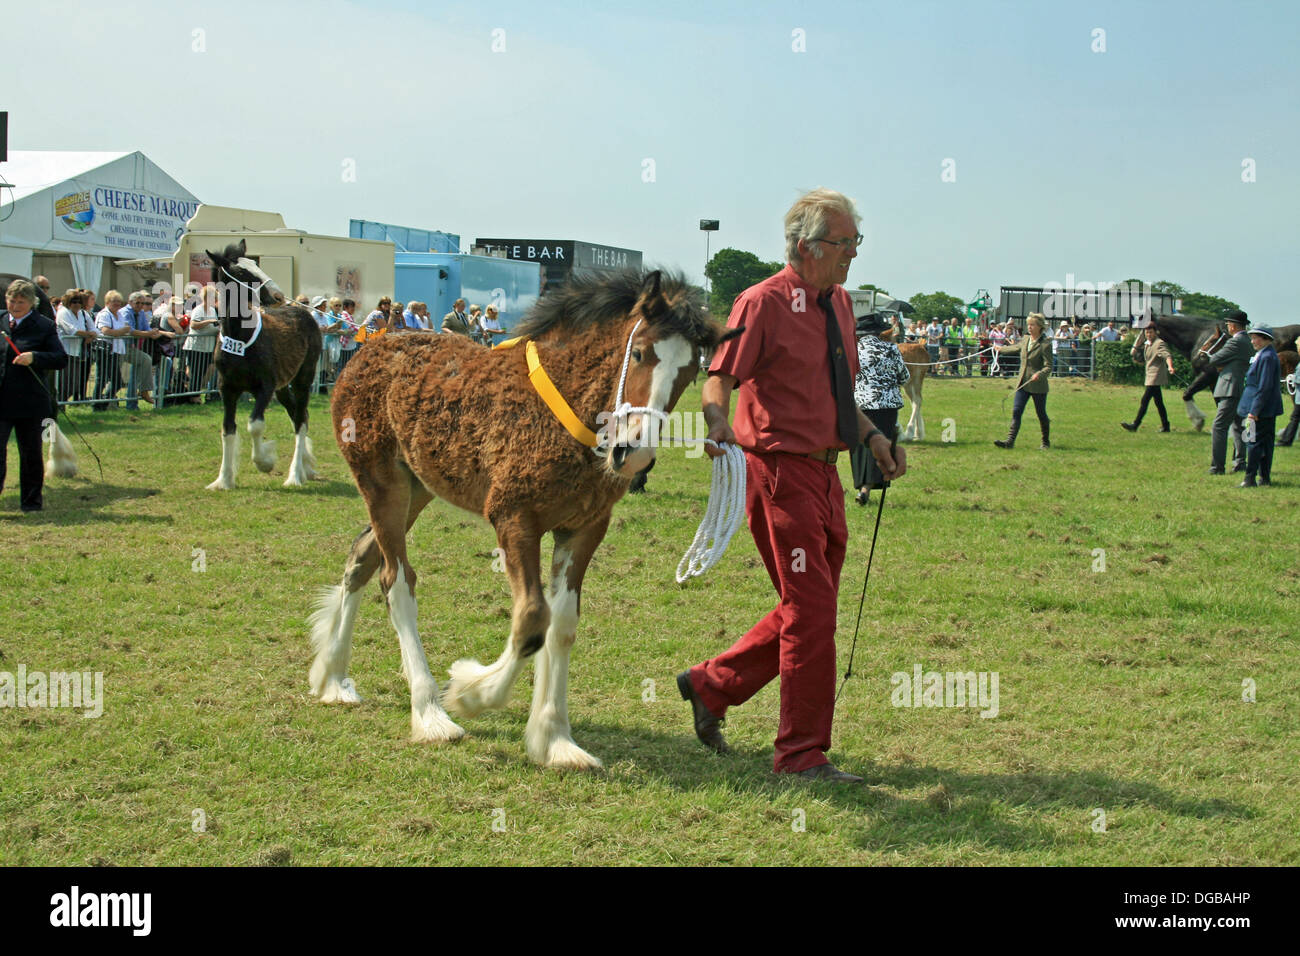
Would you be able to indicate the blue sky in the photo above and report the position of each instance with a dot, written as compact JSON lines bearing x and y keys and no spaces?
{"x":1100,"y":165}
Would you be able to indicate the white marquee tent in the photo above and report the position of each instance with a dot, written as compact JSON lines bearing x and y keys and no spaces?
{"x":65,"y":214}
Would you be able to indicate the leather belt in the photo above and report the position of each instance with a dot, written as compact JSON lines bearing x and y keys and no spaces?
{"x":827,"y":455}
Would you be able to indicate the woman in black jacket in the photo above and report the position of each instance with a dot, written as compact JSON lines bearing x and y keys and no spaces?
{"x":31,"y":345}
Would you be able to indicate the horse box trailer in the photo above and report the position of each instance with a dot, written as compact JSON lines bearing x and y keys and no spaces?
{"x":298,"y":262}
{"x":438,"y":279}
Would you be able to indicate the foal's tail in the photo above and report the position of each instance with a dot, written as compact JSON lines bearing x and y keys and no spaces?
{"x":332,"y":648}
{"x":63,"y":460}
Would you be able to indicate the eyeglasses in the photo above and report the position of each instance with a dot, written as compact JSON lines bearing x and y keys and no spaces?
{"x":851,"y":242}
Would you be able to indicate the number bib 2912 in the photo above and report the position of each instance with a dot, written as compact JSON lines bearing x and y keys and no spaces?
{"x":232,"y":346}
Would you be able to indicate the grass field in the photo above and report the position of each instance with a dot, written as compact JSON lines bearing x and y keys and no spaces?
{"x":1120,"y":691}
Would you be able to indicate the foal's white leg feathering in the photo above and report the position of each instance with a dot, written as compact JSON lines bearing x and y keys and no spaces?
{"x":299,"y":473}
{"x":475,"y":688}
{"x":429,"y":722}
{"x":263,"y":450}
{"x":548,"y":737}
{"x":229,"y":456}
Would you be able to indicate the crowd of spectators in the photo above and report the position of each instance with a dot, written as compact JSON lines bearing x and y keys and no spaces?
{"x":958,"y":346}
{"x":125,"y":349}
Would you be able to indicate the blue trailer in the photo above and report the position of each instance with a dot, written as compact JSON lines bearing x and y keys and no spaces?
{"x":439,"y":279}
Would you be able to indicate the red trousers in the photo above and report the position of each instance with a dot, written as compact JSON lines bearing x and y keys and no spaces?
{"x":795,"y":507}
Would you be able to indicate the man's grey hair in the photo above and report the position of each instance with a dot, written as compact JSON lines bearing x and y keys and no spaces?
{"x":806,"y":220}
{"x":23,"y":289}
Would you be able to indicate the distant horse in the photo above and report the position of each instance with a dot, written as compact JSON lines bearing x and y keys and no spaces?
{"x":1188,"y":335}
{"x":63,"y":460}
{"x":268,"y":347}
{"x":1194,"y":337}
{"x":917,"y":358}
{"x":440,"y":415}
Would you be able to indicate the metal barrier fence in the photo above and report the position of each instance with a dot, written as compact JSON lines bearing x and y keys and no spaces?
{"x":1072,"y":358}
{"x":99,"y":377}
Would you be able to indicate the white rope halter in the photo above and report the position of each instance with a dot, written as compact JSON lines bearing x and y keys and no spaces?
{"x":726,"y":495}
{"x":621,"y":408}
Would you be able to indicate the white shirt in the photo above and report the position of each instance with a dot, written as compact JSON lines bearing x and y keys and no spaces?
{"x":200,"y":340}
{"x":70,"y":323}
{"x":109,"y":319}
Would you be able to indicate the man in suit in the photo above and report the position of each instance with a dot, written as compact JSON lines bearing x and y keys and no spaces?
{"x":456,"y":320}
{"x":31,"y":344}
{"x":1261,"y":403}
{"x":1231,"y":361}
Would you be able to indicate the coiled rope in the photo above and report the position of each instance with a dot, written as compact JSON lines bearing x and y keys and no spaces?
{"x":722,"y":518}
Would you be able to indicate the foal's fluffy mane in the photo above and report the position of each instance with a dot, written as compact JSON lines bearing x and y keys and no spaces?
{"x":589,"y":299}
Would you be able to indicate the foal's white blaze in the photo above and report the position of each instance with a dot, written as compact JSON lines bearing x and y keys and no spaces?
{"x":263,"y":451}
{"x":548,"y":736}
{"x":429,"y":722}
{"x":229,"y":453}
{"x":674,"y":354}
{"x":331,"y":639}
{"x":263,"y":278}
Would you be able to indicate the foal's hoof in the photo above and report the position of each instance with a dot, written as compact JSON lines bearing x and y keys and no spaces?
{"x":221,"y":485}
{"x":566,"y":755}
{"x":433,"y":726}
{"x":340,"y":692}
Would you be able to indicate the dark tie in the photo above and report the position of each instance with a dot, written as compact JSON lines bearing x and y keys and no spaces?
{"x":841,"y":381}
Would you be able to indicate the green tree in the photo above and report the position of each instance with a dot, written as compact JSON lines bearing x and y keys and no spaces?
{"x":731,"y":272}
{"x":936,"y":305}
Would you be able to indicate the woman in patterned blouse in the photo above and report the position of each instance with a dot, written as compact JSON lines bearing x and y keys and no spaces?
{"x":877,"y":390}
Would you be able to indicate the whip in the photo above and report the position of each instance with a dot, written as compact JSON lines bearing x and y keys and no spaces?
{"x":726,"y":507}
{"x":880,"y":509}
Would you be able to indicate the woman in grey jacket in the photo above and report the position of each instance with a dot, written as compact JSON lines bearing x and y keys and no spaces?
{"x":1035,"y":352}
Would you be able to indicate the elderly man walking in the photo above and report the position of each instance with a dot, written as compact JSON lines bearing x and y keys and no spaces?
{"x":1231,"y":361}
{"x":794,"y":367}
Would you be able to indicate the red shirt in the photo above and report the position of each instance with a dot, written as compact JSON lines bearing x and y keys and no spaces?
{"x":782,"y":360}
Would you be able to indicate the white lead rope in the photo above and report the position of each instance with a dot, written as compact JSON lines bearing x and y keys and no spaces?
{"x":726,"y":508}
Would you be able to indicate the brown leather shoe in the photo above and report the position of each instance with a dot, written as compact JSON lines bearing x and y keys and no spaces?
{"x":827,"y":772}
{"x":706,"y":725}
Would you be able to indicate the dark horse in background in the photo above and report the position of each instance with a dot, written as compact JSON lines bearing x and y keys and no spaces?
{"x":267,"y":346}
{"x":63,"y":460}
{"x":1195,"y":337}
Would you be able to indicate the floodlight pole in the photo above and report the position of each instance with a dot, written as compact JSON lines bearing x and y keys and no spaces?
{"x":707,"y":226}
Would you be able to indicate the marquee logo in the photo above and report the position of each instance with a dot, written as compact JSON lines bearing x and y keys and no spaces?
{"x":75,"y":211}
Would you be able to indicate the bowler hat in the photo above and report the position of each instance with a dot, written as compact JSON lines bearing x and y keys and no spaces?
{"x":872,"y":324}
{"x":1236,"y":315}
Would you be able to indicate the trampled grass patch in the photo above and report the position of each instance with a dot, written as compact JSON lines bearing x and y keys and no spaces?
{"x":1130,"y":604}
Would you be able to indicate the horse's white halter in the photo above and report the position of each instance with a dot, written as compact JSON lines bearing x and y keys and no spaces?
{"x":621,"y":408}
{"x":257,"y":316}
